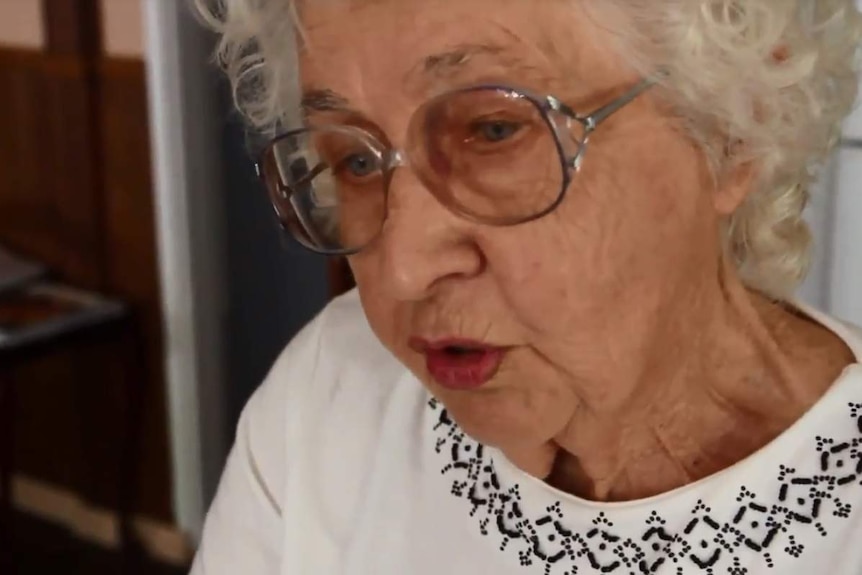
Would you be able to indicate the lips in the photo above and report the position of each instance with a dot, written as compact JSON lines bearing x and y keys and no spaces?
{"x":459,"y":364}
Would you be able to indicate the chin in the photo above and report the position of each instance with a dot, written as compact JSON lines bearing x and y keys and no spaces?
{"x":494,"y":416}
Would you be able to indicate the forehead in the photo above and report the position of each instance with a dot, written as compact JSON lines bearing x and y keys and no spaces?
{"x":371,"y":48}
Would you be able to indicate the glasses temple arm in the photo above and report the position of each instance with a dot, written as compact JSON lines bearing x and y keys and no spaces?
{"x":306,"y":179}
{"x":292,"y":198}
{"x":598,"y":116}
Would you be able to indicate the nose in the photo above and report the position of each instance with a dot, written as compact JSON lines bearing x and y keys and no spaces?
{"x":423,"y":245}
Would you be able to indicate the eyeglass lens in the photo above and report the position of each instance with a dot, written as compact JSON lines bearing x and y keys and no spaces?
{"x":491,"y":155}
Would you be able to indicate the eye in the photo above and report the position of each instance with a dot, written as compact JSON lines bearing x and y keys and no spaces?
{"x":359,"y":165}
{"x":495,"y":130}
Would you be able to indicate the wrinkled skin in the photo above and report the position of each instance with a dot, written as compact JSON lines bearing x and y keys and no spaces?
{"x":639,"y":361}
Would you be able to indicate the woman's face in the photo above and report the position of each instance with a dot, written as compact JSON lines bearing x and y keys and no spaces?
{"x":565,"y":311}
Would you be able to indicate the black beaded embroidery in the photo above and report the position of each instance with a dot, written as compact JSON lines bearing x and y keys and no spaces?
{"x":802,"y":506}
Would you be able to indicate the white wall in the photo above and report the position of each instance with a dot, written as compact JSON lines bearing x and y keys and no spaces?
{"x":820,"y":216}
{"x":845,"y":273}
{"x":845,"y":264}
{"x":835,"y":215}
{"x":122,"y":27}
{"x":21,"y":23}
{"x":835,"y":284}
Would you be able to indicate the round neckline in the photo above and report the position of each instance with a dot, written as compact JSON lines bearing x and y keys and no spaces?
{"x":511,"y":474}
{"x":514,"y":475}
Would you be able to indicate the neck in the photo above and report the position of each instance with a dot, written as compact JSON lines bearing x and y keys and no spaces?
{"x":701,"y":400}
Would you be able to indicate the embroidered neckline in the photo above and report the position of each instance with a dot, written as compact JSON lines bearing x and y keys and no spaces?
{"x":804,"y":504}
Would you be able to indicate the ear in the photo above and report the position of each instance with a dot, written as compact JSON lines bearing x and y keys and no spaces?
{"x":733,"y":188}
{"x":736,"y":181}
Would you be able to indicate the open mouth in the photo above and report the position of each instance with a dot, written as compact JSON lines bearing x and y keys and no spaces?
{"x":462,"y":351}
{"x":460,"y":365}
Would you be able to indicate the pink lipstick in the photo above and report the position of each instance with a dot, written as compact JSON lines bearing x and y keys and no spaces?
{"x":459,"y":364}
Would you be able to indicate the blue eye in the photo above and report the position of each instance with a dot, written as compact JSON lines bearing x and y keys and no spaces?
{"x":496,"y":131}
{"x":360,"y":165}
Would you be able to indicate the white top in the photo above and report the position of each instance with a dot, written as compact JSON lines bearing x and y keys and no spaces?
{"x":344,"y":465}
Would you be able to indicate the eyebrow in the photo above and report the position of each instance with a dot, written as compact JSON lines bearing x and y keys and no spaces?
{"x":323,"y":100}
{"x":488,"y":60}
{"x":451,"y":61}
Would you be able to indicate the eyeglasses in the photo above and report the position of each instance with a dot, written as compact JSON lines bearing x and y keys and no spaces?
{"x":492,"y":154}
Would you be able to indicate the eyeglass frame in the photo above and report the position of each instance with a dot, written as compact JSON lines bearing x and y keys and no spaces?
{"x":392,"y":158}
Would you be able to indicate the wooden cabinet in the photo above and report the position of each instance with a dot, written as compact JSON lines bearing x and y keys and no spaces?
{"x":76,"y":193}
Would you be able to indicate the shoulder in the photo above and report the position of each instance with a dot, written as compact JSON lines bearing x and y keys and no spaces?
{"x":847,"y":334}
{"x":315,"y":413}
{"x":852,"y":336}
{"x":333,"y":353}
{"x":335,"y":369}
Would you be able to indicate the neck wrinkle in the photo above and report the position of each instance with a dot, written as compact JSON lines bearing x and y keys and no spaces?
{"x":687,"y":420}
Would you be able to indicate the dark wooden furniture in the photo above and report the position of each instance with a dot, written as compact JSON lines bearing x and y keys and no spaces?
{"x":76,"y":193}
{"x":104,"y":323}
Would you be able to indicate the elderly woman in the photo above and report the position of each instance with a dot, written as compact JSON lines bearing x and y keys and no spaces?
{"x":575,"y":227}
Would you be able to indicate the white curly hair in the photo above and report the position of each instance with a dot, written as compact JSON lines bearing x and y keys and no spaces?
{"x":761,"y":82}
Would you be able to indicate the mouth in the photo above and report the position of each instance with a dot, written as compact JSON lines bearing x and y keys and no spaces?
{"x":460,"y":364}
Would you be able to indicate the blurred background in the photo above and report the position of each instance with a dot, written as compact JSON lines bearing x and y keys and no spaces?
{"x":145,"y":289}
{"x":156,"y":289}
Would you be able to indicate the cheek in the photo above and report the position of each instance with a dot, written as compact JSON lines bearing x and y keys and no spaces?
{"x":632,"y":224}
{"x":646,"y":204}
{"x":536,"y":277}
